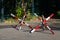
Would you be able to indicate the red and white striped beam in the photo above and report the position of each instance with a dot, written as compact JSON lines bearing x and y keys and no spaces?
{"x":49,"y":29}
{"x":15,"y":17}
{"x":45,"y":20}
{"x":39,"y":18}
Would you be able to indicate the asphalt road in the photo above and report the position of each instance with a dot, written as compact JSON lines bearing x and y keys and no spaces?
{"x":9,"y":33}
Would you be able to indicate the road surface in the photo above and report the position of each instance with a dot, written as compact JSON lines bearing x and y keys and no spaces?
{"x":9,"y":33}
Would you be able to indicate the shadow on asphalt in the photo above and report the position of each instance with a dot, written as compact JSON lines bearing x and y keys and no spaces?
{"x":38,"y":31}
{"x":6,"y":26}
{"x":11,"y":26}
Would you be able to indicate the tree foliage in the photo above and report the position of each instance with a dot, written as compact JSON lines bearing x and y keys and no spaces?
{"x":41,"y":7}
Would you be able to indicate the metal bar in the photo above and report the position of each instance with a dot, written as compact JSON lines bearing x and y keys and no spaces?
{"x":33,"y":6}
{"x":2,"y":11}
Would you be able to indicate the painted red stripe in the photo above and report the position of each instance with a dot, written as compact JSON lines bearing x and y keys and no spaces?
{"x":37,"y":27}
{"x":52,"y":32}
{"x":44,"y":21}
{"x":16,"y":17}
{"x":50,"y":28}
{"x":30,"y":26}
{"x":51,"y":15}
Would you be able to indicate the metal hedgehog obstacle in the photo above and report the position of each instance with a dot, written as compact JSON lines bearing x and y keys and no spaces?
{"x":43,"y":24}
{"x":21,"y":22}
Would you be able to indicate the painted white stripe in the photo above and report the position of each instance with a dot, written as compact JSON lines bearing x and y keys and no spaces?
{"x":32,"y":30}
{"x":20,"y":28}
{"x":27,"y":24}
{"x":19,"y":19}
{"x":22,"y":22}
{"x":48,"y":27}
{"x":48,"y":18}
{"x":41,"y":20}
{"x":35,"y":14}
{"x":12,"y":15}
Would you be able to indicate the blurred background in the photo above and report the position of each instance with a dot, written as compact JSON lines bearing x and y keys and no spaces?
{"x":45,"y":7}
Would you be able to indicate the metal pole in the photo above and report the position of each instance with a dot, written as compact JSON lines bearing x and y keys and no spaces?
{"x":2,"y":11}
{"x":33,"y":6}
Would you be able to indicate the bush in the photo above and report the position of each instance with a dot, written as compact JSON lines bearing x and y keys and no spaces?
{"x":19,"y":11}
{"x":58,"y":12}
